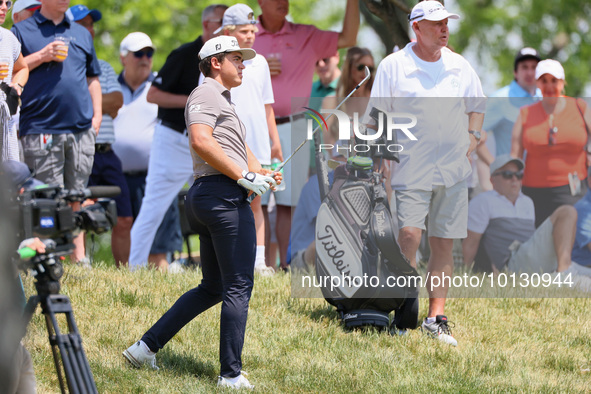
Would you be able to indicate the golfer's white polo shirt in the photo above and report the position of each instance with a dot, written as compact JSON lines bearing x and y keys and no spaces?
{"x":437,"y":93}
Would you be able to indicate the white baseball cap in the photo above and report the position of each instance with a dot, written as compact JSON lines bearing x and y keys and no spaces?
{"x":22,"y":5}
{"x":135,"y":41}
{"x":431,"y":11}
{"x":551,"y":67}
{"x":224,"y":44}
{"x":503,"y":159}
{"x":238,"y":14}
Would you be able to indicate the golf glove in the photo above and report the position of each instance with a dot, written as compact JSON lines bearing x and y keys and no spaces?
{"x":256,"y":182}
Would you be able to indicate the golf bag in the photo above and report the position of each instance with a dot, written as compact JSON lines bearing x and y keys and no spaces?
{"x":355,"y":242}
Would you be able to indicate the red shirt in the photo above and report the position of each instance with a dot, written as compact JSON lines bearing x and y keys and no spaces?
{"x":549,"y":165}
{"x":300,"y":47}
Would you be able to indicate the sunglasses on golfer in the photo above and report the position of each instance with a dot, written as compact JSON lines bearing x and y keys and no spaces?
{"x":510,"y":174}
{"x":7,"y":2}
{"x":361,"y":67}
{"x":140,"y":54}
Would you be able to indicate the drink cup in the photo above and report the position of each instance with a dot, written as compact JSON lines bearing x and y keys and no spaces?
{"x":62,"y":50}
{"x":4,"y":67}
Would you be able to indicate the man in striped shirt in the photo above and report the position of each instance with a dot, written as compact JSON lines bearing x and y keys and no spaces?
{"x":106,"y":169}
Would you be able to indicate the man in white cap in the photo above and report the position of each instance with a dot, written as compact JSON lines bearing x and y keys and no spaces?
{"x":137,"y":148}
{"x":430,"y":180}
{"x":500,"y":217}
{"x":254,"y":99}
{"x":225,"y":170}
{"x":24,"y":9}
{"x":171,"y":168}
{"x":292,"y":50}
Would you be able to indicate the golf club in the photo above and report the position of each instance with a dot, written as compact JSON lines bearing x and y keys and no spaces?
{"x":367,"y":75}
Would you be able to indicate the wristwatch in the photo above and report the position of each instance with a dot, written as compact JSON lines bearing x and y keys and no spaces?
{"x":250,"y":176}
{"x":477,"y":134}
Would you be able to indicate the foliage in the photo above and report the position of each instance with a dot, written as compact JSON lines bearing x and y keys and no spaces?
{"x":298,"y":345}
{"x":174,"y":22}
{"x":557,"y":29}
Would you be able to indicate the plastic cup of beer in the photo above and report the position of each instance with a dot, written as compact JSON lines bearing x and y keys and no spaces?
{"x":62,"y":50}
{"x":4,"y":67}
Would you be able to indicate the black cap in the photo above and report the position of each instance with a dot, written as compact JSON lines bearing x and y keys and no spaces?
{"x":524,"y":54}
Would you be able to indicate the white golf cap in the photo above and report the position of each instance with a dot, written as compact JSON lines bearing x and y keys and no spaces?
{"x":551,"y":67}
{"x":135,"y":41}
{"x":238,"y":14}
{"x":505,"y":159}
{"x":430,"y":10}
{"x":22,"y":5}
{"x":223,"y":44}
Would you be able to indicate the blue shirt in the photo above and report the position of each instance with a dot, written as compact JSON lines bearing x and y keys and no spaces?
{"x":501,"y":113}
{"x":57,"y":100}
{"x":581,"y":253}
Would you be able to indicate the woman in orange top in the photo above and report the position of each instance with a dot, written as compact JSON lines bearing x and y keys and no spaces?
{"x":554,"y":134}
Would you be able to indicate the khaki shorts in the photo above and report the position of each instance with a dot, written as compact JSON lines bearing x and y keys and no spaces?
{"x":446,"y":207}
{"x":537,"y":254}
{"x":63,"y":159}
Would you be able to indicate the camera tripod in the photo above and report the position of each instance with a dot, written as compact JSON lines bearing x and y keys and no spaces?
{"x":48,"y":270}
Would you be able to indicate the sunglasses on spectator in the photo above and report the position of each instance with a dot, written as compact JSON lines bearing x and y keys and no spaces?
{"x":361,"y":67}
{"x":140,"y":54}
{"x":7,"y":2}
{"x":552,"y":135}
{"x":510,"y":174}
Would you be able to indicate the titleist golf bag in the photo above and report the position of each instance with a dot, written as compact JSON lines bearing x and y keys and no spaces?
{"x":355,"y":243}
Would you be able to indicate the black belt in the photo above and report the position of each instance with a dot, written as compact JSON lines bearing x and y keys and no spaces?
{"x":136,"y":173}
{"x":216,"y":178}
{"x":287,"y":119}
{"x":176,"y":127}
{"x":102,"y":148}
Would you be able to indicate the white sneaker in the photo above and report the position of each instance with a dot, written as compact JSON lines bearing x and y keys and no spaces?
{"x":138,"y":355}
{"x":439,"y":329}
{"x":263,"y":270}
{"x":239,"y":382}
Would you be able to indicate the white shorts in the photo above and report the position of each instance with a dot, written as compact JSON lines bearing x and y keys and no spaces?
{"x":295,"y":172}
{"x":446,"y":207}
{"x":537,"y":254}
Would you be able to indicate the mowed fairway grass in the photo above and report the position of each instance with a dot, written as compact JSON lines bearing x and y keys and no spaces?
{"x":299,"y":346}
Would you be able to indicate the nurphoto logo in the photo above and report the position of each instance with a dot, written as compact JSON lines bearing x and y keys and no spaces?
{"x":383,"y":137}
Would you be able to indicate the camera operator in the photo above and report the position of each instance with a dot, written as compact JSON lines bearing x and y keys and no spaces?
{"x":16,"y":367}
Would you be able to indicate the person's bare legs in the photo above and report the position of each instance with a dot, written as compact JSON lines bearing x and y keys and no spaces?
{"x":282,"y":230}
{"x":159,"y":261}
{"x":564,"y":228}
{"x":269,"y":258}
{"x":79,"y":252}
{"x":409,"y":239}
{"x":121,"y":240}
{"x":259,"y":220}
{"x":441,"y":263}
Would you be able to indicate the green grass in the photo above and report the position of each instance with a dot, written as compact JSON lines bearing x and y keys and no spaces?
{"x":298,"y":345}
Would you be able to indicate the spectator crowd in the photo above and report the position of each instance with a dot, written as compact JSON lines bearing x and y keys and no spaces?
{"x":509,"y":176}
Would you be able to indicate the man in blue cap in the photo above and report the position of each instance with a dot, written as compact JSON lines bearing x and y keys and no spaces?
{"x":106,"y":169}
